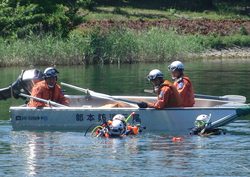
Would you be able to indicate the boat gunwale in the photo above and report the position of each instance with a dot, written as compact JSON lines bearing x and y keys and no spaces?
{"x":126,"y":108}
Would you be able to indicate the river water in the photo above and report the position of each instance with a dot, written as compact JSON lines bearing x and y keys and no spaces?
{"x":30,"y":153}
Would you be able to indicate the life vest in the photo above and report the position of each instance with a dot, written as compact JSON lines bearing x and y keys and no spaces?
{"x":185,"y":89}
{"x":132,"y":130}
{"x":41,"y":90}
{"x":168,"y":96}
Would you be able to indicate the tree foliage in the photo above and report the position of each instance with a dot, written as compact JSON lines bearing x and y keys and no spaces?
{"x":19,"y":18}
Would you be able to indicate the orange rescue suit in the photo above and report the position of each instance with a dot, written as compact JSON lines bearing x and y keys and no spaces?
{"x":185,"y":89}
{"x":41,"y":90}
{"x":131,"y":130}
{"x":168,"y":96}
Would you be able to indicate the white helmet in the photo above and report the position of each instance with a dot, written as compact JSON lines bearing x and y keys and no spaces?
{"x":119,"y":117}
{"x":50,"y":72}
{"x":202,"y":120}
{"x":176,"y":65}
{"x":117,"y":127}
{"x":155,"y":73}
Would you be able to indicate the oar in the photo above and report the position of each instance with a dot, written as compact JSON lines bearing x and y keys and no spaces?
{"x":98,"y":95}
{"x":233,"y":98}
{"x":43,"y":100}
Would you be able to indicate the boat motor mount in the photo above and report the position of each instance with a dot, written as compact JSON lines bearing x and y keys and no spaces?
{"x":23,"y":84}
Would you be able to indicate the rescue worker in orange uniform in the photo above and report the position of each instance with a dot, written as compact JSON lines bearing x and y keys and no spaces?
{"x":167,"y":94}
{"x":48,"y":89}
{"x":182,"y":83}
{"x":118,"y":127}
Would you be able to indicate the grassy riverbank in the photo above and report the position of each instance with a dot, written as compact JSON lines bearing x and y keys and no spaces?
{"x":122,"y":31}
{"x":113,"y":46}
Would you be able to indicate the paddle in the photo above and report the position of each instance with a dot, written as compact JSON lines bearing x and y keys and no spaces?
{"x":98,"y":95}
{"x":43,"y":100}
{"x":233,"y":98}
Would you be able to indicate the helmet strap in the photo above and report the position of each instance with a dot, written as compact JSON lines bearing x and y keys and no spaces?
{"x":178,"y":79}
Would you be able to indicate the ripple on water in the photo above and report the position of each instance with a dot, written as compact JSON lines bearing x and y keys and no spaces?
{"x":27,"y":153}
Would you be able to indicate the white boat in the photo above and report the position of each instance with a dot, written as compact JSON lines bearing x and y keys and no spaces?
{"x":91,"y":109}
{"x":85,"y":112}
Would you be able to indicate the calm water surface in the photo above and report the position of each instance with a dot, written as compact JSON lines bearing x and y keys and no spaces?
{"x":27,"y":153}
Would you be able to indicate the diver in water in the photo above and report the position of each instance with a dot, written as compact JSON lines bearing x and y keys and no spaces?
{"x":203,"y":127}
{"x":116,"y":128}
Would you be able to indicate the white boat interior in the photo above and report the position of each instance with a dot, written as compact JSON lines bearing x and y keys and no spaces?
{"x":92,"y":102}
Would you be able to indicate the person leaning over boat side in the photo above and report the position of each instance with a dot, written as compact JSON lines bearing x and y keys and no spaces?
{"x":167,"y":94}
{"x":182,"y":83}
{"x":48,"y":89}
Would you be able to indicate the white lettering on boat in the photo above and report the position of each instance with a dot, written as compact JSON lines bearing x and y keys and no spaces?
{"x":20,"y":118}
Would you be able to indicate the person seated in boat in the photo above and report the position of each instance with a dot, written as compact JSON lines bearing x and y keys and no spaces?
{"x":203,"y":127}
{"x":167,"y":94}
{"x":182,"y":83}
{"x":117,"y":128}
{"x":48,"y":89}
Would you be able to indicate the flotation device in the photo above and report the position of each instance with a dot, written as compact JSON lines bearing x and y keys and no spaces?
{"x":177,"y":139}
{"x":132,"y":130}
{"x":186,"y":92}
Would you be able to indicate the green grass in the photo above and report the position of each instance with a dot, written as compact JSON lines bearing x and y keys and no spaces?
{"x":45,"y":50}
{"x":114,"y":46}
{"x":218,"y":42}
{"x":130,"y":13}
{"x":220,"y":9}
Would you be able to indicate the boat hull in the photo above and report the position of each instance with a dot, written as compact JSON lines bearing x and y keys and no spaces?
{"x":171,"y":120}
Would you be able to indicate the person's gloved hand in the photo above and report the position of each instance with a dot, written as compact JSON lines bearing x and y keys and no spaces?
{"x":142,"y":105}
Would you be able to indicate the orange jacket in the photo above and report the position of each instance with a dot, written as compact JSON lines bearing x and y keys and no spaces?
{"x":185,"y":89}
{"x":131,"y":130}
{"x":41,"y":90}
{"x":168,"y":96}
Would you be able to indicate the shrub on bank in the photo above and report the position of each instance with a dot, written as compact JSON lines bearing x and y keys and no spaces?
{"x":218,"y":42}
{"x":114,"y":46}
{"x":127,"y":46}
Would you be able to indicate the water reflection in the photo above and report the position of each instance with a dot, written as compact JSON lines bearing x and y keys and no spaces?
{"x":73,"y":154}
{"x":31,"y":158}
{"x":26,"y":153}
